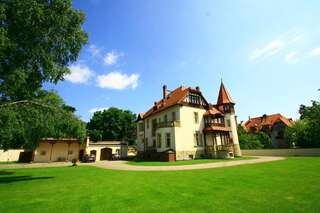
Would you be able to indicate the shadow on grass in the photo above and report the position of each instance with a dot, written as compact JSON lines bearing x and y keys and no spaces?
{"x":6,"y":173}
{"x":11,"y":179}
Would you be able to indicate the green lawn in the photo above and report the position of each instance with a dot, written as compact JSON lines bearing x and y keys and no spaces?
{"x":291,"y":185}
{"x":9,"y":162}
{"x":184,"y":162}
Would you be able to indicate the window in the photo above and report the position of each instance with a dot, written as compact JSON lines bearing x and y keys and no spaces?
{"x":70,"y":152}
{"x":159,"y":140}
{"x":165,"y":118}
{"x":173,"y":116}
{"x":168,"y":140}
{"x":147,"y":123}
{"x":228,"y":123}
{"x":141,"y":127}
{"x":225,"y":138}
{"x":154,"y":126}
{"x":43,"y":153}
{"x":146,"y":141}
{"x":227,"y":108}
{"x":196,"y":117}
{"x":154,"y":143}
{"x":194,"y":99}
{"x":197,"y":139}
{"x":118,"y":151}
{"x":214,"y":139}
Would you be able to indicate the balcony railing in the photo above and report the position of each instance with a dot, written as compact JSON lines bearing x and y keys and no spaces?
{"x":226,"y":147}
{"x":214,"y":124}
{"x":168,"y":124}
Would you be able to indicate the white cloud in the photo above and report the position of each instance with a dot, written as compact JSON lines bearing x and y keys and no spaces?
{"x":94,"y":50}
{"x":117,"y":80}
{"x":268,"y":50}
{"x":315,"y":52}
{"x":96,"y":109}
{"x":291,"y":57}
{"x":79,"y":73}
{"x":112,"y":57}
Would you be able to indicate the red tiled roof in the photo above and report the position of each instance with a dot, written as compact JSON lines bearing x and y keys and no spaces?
{"x":175,"y":97}
{"x":213,"y":111}
{"x":224,"y":97}
{"x":267,"y":120}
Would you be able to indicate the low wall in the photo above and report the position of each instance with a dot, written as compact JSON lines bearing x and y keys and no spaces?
{"x":10,"y":155}
{"x":282,"y":152}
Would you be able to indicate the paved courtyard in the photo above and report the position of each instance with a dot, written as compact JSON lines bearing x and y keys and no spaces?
{"x":122,"y":165}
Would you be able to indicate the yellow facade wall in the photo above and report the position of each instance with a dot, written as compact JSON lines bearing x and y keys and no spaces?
{"x":59,"y":151}
{"x":123,"y":150}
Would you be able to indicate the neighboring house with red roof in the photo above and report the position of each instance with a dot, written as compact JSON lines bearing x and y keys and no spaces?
{"x":184,"y":123}
{"x":273,"y":125}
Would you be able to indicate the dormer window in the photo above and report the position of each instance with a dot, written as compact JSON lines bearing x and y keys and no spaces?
{"x":196,"y":99}
{"x":226,"y":108}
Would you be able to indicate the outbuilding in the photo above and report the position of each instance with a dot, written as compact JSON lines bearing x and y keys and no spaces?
{"x":106,"y":150}
{"x":50,"y":150}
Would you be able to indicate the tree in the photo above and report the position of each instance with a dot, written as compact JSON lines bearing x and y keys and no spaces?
{"x":248,"y":140}
{"x":264,"y":139}
{"x":38,"y":40}
{"x":306,"y":132}
{"x":25,"y":123}
{"x":113,"y":124}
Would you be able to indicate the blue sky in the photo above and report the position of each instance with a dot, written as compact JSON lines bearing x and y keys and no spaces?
{"x":268,"y":54}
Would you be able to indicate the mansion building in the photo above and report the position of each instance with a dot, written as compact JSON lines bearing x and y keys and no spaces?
{"x":184,"y":125}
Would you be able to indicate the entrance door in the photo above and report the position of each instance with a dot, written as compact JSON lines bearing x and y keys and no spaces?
{"x":106,"y":154}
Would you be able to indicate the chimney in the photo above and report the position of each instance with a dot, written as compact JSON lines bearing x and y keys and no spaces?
{"x":87,"y":141}
{"x":264,"y":118}
{"x":165,"y":91}
{"x":155,"y":105}
{"x":198,"y":88}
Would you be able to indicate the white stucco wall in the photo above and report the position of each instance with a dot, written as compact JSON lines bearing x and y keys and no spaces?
{"x":162,"y":131}
{"x":233,"y":126}
{"x":10,"y":155}
{"x":184,"y":135}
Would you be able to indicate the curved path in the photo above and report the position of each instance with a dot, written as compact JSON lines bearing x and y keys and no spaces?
{"x":122,"y":165}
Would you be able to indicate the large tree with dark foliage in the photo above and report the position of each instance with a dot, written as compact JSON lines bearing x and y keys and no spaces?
{"x":113,"y":124}
{"x":24,"y":123}
{"x":38,"y":40}
{"x":306,"y":132}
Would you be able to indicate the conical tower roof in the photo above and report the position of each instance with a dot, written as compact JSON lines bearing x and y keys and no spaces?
{"x":224,"y":97}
